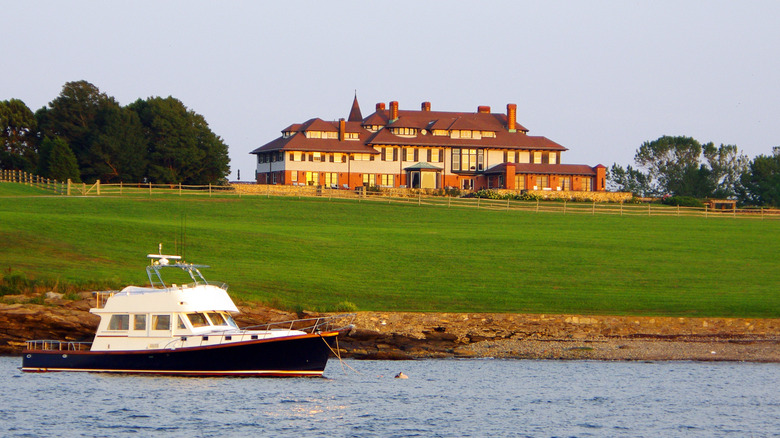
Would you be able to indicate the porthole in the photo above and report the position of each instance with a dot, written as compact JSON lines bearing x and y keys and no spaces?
{"x":29,"y":356}
{"x":64,"y":356}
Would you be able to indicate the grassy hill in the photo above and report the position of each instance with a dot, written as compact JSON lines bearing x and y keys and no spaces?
{"x":315,"y":254}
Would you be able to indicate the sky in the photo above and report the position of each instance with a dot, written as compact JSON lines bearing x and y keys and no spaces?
{"x":598,"y":77}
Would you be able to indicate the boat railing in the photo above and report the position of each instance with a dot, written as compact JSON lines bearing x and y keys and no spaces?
{"x":309,"y":325}
{"x":103,"y":296}
{"x":49,"y":345}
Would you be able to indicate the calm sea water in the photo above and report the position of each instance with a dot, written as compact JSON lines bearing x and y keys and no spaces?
{"x":445,"y":398}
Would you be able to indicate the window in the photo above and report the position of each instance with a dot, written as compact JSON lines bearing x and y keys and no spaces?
{"x":216,"y":318}
{"x":387,"y":180}
{"x":389,"y":154}
{"x":119,"y":322}
{"x":369,"y":179}
{"x":139,"y":322}
{"x":331,"y":178}
{"x":523,"y":157}
{"x":510,"y":157}
{"x":587,"y":184}
{"x":197,"y":319}
{"x":434,"y":155}
{"x":542,"y":181}
{"x":439,"y":132}
{"x":553,"y":158}
{"x":566,"y":183}
{"x":318,"y":156}
{"x":352,"y":136}
{"x":467,"y":159}
{"x":404,"y":131}
{"x":537,"y":158}
{"x":161,"y":322}
{"x":519,"y":182}
{"x":465,"y":134}
{"x":409,"y":154}
{"x":312,"y":178}
{"x":489,"y":134}
{"x":180,"y":325}
{"x":313,"y":134}
{"x":294,"y":176}
{"x":362,"y":157}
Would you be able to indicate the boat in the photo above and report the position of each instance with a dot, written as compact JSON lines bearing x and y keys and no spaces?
{"x":188,"y":330}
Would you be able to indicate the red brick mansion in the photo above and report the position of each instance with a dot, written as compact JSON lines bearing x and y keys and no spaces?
{"x":421,"y":149}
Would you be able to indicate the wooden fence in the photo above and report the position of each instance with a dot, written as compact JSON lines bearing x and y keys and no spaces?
{"x":409,"y":197}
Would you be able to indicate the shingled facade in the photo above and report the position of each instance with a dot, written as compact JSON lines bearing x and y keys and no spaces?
{"x":421,"y":149}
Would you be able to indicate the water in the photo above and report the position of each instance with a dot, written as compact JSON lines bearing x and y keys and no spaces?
{"x":446,"y":398}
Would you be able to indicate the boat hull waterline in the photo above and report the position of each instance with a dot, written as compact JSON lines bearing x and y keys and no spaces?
{"x":295,"y":356}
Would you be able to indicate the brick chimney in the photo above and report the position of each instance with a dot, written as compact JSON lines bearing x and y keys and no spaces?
{"x":511,"y":117}
{"x":342,"y":129}
{"x":483,"y":109}
{"x":380,"y":106}
{"x":393,"y":110}
{"x":426,"y":106}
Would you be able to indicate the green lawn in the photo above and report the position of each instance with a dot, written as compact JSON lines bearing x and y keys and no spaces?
{"x":315,"y":253}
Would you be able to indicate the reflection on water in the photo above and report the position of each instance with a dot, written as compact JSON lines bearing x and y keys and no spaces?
{"x":440,"y":398}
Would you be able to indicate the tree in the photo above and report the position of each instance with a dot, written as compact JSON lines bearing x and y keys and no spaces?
{"x":18,"y":139}
{"x":62,"y":163}
{"x":182,"y":147}
{"x":727,"y":166}
{"x":670,"y":160}
{"x":119,"y":151}
{"x":760,"y":183}
{"x":628,"y":180}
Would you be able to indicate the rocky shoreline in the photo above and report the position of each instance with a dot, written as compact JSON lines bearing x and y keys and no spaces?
{"x":406,"y":336}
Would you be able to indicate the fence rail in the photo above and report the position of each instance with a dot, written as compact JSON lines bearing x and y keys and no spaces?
{"x":410,"y":197}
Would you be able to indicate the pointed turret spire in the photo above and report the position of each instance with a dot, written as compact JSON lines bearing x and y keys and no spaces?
{"x":355,"y":114}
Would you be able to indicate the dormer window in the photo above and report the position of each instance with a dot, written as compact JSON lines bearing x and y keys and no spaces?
{"x":439,"y":132}
{"x":352,"y":136}
{"x":489,"y":134}
{"x":313,"y":134}
{"x":287,"y":134}
{"x":404,"y":131}
{"x":372,"y":128}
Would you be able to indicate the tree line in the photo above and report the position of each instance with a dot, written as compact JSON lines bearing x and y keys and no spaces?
{"x":85,"y":135}
{"x":684,"y":167}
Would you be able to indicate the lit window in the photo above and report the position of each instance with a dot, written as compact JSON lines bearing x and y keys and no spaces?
{"x":542,"y":181}
{"x":519,"y":182}
{"x":388,"y":180}
{"x":553,"y":158}
{"x":537,"y":158}
{"x":369,"y":179}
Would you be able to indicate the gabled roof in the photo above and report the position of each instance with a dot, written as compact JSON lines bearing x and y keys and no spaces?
{"x":502,"y":140}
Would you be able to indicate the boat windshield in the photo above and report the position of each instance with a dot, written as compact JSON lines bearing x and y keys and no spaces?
{"x":213,"y":318}
{"x":198,"y":319}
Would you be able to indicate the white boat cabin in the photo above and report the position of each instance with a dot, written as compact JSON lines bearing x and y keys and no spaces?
{"x":170,"y":317}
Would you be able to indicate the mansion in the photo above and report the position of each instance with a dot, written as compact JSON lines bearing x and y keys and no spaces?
{"x":421,"y":149}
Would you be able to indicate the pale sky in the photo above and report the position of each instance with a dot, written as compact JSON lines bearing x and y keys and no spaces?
{"x":598,"y":77}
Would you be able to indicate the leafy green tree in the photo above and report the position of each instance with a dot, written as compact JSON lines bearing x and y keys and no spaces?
{"x":760,"y":183}
{"x":628,"y":180}
{"x":18,"y":136}
{"x":119,"y":151}
{"x":727,"y":166}
{"x":182,"y":147}
{"x":669,"y":161}
{"x":62,"y":163}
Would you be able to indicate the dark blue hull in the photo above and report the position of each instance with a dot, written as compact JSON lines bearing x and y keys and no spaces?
{"x":304,"y":355}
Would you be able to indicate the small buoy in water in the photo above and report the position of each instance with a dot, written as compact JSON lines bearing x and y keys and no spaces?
{"x":712,"y":352}
{"x":401,"y":375}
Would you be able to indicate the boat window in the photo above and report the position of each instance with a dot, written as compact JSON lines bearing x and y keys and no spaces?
{"x":229,"y":320}
{"x":161,"y":322}
{"x":119,"y":322}
{"x":198,"y":319}
{"x":139,"y":322}
{"x":216,"y":318}
{"x":181,"y":325}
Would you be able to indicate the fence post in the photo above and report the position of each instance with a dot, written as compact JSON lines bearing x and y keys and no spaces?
{"x":678,"y":209}
{"x":68,"y":192}
{"x":83,"y":189}
{"x":449,"y":200}
{"x":209,"y":189}
{"x":705,"y":211}
{"x":419,"y":199}
{"x":98,"y":187}
{"x":478,"y":203}
{"x":621,"y":207}
{"x":537,"y":205}
{"x":179,"y":188}
{"x":593,"y":208}
{"x":120,"y":188}
{"x":507,"y":204}
{"x":762,"y":213}
{"x":564,"y":206}
{"x":150,"y":188}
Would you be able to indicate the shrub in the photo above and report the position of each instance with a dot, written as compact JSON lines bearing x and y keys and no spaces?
{"x":682,"y":201}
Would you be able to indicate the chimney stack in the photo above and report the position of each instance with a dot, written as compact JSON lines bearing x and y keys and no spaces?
{"x":483,"y":109}
{"x":342,"y":129}
{"x":393,"y":110}
{"x":511,"y":117}
{"x":380,"y":106}
{"x":426,"y":106}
